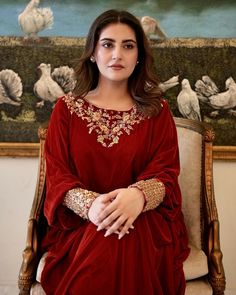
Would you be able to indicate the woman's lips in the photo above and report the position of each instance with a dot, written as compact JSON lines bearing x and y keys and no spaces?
{"x":116,"y":67}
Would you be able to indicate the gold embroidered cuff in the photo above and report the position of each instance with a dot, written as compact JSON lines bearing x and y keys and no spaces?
{"x":153,"y":190}
{"x":79,"y":200}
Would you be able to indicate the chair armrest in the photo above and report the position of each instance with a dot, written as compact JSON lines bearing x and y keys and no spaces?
{"x":35,"y":230}
{"x":216,"y":270}
{"x":36,"y":226}
{"x":30,"y":259}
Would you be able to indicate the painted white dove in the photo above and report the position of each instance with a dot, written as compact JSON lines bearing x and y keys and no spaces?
{"x":219,"y":100}
{"x":65,"y":77}
{"x":46,"y":88}
{"x":164,"y":86}
{"x":34,"y":19}
{"x":188,"y":103}
{"x":10,"y":87}
{"x":152,"y":27}
{"x":205,"y":88}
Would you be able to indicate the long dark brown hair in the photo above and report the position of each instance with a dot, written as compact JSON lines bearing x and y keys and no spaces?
{"x":143,"y":84}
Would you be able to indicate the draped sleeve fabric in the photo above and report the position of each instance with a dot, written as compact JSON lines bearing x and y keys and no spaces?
{"x":61,"y":176}
{"x":164,"y":164}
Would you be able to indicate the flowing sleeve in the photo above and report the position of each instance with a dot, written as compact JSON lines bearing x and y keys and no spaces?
{"x":159,"y":179}
{"x":63,"y":187}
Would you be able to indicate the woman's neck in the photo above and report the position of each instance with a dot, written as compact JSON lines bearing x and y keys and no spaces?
{"x":111,"y":96}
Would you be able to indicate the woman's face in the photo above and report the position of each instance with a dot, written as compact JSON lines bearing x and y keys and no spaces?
{"x":116,"y":52}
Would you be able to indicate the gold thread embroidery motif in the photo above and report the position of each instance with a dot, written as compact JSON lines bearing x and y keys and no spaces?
{"x":109,"y":125}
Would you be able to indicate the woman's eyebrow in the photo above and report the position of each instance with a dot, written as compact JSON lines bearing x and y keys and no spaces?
{"x":129,"y":40}
{"x":123,"y":41}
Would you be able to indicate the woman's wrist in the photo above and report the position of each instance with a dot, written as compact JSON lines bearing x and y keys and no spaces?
{"x":139,"y":192}
{"x":153,"y":191}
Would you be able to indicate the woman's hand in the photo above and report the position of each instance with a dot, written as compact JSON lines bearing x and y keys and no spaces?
{"x":98,"y":205}
{"x":121,"y":208}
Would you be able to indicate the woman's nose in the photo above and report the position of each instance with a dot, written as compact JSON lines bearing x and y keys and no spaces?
{"x":117,"y":54}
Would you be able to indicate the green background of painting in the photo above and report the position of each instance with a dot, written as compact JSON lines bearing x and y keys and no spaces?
{"x":188,"y":58}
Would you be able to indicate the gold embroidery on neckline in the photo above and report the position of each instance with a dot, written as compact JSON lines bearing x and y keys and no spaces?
{"x":109,"y":125}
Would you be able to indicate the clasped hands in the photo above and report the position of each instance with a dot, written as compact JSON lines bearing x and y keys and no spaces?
{"x":117,"y":210}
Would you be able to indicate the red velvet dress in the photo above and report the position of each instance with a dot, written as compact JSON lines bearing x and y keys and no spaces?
{"x":102,"y":150}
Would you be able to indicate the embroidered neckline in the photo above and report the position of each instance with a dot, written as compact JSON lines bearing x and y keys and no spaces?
{"x":108,"y":124}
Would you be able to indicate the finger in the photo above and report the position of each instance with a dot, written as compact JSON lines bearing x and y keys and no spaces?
{"x":116,"y":232}
{"x":128,"y":231}
{"x":108,"y":221}
{"x":119,"y":230}
{"x":125,"y":228}
{"x":109,"y":196}
{"x":107,"y":211}
{"x":116,"y":225}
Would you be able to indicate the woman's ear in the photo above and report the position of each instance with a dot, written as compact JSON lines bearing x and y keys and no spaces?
{"x":92,"y":58}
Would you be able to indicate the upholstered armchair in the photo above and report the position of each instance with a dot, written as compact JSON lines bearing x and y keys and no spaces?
{"x":203,"y":269}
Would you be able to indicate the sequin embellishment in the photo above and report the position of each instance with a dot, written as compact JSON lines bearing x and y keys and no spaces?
{"x":153,"y":190}
{"x":108,"y":124}
{"x":79,"y":200}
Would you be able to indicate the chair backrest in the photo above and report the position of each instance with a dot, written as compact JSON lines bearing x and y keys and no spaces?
{"x":199,"y":206}
{"x":191,"y":150}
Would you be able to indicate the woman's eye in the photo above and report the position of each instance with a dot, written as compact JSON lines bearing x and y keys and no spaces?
{"x":107,"y":45}
{"x":129,"y":46}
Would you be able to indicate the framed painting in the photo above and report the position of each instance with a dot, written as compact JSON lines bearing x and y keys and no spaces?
{"x":24,"y":63}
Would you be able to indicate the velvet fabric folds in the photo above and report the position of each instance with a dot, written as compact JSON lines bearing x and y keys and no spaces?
{"x":81,"y":261}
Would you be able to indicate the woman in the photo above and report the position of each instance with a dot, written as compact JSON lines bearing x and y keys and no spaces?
{"x":113,"y":201}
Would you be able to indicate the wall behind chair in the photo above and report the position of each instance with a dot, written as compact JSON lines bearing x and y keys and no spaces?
{"x":225,"y":194}
{"x":17,"y":184}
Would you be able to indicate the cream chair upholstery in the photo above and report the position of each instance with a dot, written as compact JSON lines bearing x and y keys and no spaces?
{"x":203,"y":268}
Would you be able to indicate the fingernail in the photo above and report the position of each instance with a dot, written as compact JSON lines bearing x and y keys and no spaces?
{"x":120,"y":236}
{"x":132,"y":227}
{"x":107,"y":233}
{"x":99,"y":228}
